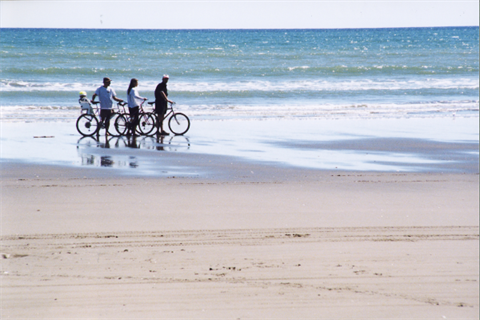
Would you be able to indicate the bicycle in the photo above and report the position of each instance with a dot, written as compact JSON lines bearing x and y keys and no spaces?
{"x":145,"y":125}
{"x":178,"y":123}
{"x":88,"y":123}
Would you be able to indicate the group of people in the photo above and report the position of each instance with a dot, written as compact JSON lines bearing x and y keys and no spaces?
{"x":106,"y":95}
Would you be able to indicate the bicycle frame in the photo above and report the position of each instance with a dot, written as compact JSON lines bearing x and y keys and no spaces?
{"x":169,"y":109}
{"x":178,"y":122}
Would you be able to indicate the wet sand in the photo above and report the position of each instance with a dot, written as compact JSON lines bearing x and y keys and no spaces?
{"x":382,"y":145}
{"x":240,"y":239}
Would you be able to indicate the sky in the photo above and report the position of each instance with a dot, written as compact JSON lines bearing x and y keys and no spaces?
{"x":239,"y":14}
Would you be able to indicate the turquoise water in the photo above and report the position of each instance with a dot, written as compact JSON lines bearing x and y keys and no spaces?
{"x":247,"y":74}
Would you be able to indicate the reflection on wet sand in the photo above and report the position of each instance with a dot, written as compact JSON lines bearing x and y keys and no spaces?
{"x":160,"y":142}
{"x":106,"y":161}
{"x":91,"y":150}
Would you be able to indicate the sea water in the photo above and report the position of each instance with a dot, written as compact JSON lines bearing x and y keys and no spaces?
{"x":247,"y":74}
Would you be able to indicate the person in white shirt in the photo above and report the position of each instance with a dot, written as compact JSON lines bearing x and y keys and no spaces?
{"x":106,"y":95}
{"x":134,"y":100}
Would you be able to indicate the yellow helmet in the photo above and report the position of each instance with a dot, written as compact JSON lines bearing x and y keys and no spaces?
{"x":83,"y":93}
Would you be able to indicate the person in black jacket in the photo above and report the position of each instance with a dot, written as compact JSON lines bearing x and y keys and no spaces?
{"x":161,"y":104}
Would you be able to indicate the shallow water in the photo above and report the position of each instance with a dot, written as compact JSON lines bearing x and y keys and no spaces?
{"x":403,"y":145}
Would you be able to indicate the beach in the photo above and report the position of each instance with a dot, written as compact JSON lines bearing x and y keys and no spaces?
{"x":326,"y":174}
{"x":232,"y":237}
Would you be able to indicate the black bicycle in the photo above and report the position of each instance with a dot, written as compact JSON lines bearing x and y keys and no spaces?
{"x":178,"y":123}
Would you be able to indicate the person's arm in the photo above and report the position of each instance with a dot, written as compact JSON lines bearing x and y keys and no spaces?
{"x":116,"y":99}
{"x":165,"y":97}
{"x":135,"y":94}
{"x":93,"y":97}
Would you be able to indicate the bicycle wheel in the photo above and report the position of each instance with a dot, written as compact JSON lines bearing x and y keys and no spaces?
{"x":121,"y":124}
{"x":87,"y":125}
{"x":112,"y":130}
{"x":179,"y":123}
{"x":146,"y":123}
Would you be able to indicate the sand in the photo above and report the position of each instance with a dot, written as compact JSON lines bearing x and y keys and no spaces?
{"x":289,"y":273}
{"x":230,"y":232}
{"x":298,"y":245}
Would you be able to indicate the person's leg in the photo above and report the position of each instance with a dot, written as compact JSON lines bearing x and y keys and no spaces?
{"x":108,"y":115}
{"x":157,"y":121}
{"x":103,"y":118}
{"x":161,"y":110}
{"x":160,"y":115}
{"x":163,"y":113}
{"x":134,"y":117}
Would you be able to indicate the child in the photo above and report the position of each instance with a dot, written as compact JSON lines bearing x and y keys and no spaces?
{"x":85,"y":103}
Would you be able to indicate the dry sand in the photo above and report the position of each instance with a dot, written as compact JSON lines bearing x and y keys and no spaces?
{"x":286,"y":244}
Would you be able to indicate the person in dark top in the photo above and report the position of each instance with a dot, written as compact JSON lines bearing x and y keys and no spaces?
{"x":161,"y":104}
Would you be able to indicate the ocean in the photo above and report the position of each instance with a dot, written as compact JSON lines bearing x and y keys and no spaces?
{"x":247,"y":74}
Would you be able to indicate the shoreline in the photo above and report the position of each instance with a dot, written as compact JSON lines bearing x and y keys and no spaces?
{"x":400,"y":145}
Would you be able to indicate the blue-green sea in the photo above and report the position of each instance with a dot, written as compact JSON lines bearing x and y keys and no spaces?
{"x":247,"y":74}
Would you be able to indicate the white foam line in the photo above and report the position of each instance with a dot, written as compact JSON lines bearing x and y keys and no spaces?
{"x":253,"y":86}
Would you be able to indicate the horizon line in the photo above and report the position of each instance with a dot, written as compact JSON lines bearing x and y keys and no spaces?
{"x":239,"y":29}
